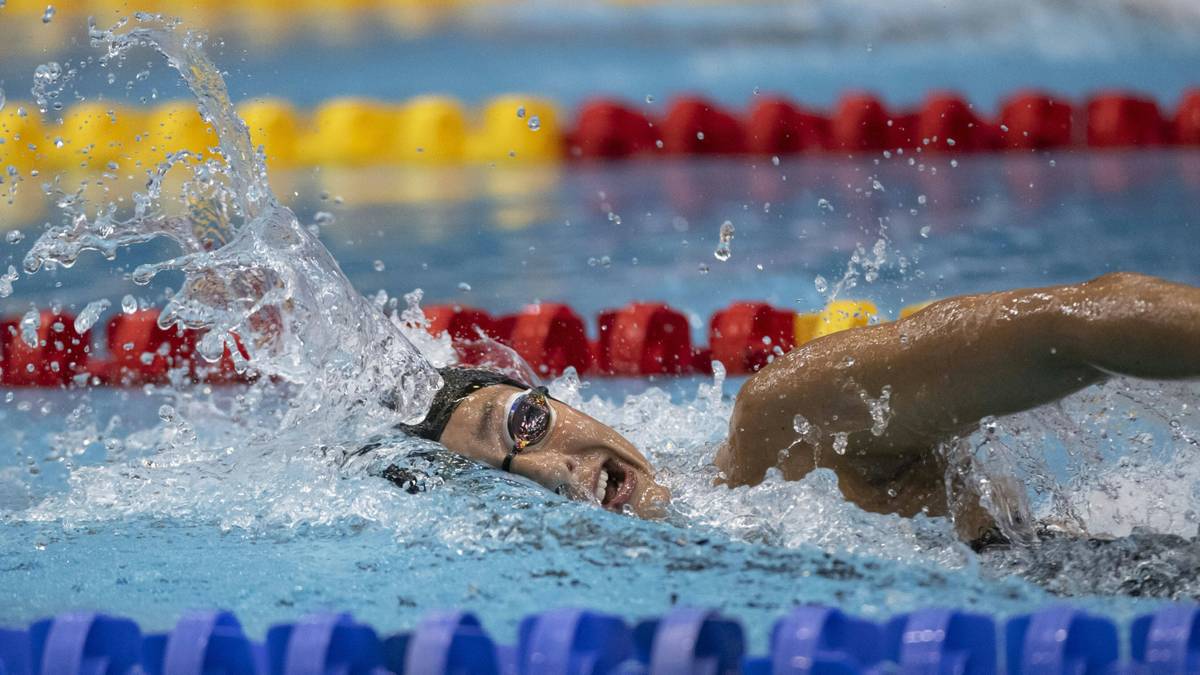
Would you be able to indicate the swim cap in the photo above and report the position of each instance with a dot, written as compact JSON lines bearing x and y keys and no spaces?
{"x":457,"y":385}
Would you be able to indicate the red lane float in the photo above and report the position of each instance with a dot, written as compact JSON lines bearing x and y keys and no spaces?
{"x":1119,"y":120}
{"x":775,"y":126}
{"x":141,"y":352}
{"x":860,"y":123}
{"x":464,"y":325}
{"x":607,"y":129}
{"x":745,"y":335}
{"x":549,"y":336}
{"x":695,"y":126}
{"x":947,"y":123}
{"x":1186,"y":125}
{"x":60,"y":353}
{"x":644,"y":339}
{"x":1032,"y":120}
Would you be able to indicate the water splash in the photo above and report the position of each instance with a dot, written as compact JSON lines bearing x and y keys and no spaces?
{"x":250,"y":269}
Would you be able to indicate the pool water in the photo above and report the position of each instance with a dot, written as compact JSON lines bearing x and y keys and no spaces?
{"x":147,"y":502}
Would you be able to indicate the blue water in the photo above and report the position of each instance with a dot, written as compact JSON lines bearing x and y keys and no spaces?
{"x":127,"y":536}
{"x":106,"y":504}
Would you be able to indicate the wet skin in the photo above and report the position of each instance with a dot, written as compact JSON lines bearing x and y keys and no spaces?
{"x":946,"y":368}
{"x":580,"y":457}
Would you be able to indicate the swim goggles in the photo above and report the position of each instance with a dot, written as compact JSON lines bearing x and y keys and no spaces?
{"x":528,"y":422}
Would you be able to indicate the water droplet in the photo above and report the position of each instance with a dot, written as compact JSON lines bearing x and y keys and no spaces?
{"x":925,"y":231}
{"x":48,"y":15}
{"x":877,"y":186}
{"x":824,"y":205}
{"x":921,"y":199}
{"x":954,"y":163}
{"x":649,"y":98}
{"x":725,"y":239}
{"x":464,"y":287}
{"x":521,"y":112}
{"x":699,"y":135}
{"x":801,"y":425}
{"x":658,"y":144}
{"x":58,"y":141}
{"x":379,"y":266}
{"x":90,"y":315}
{"x":821,"y":284}
{"x":703,"y":268}
{"x":535,"y":123}
{"x":756,"y":91}
{"x":6,"y":282}
{"x":166,"y":413}
{"x":31,"y":322}
{"x":592,"y":262}
{"x":775,"y":160}
{"x":323,"y":218}
{"x":3,"y":99}
{"x":14,"y":237}
{"x":129,"y":304}
{"x":605,"y":261}
{"x":840,"y":440}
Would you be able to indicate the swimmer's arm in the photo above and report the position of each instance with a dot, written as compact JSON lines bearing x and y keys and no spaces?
{"x":952,"y":364}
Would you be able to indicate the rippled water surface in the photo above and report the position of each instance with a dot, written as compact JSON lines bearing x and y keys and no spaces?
{"x":150,"y":501}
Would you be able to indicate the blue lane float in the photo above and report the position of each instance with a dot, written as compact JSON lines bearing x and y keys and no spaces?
{"x":809,"y":640}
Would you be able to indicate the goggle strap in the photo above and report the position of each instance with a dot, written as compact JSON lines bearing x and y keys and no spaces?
{"x":507,"y":463}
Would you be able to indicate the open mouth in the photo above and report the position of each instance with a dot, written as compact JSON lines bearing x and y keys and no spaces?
{"x":614,"y":485}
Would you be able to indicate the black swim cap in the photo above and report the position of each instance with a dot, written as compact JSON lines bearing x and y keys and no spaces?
{"x":457,"y":384}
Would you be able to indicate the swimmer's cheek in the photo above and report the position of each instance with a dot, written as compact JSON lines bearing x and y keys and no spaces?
{"x":654,"y":502}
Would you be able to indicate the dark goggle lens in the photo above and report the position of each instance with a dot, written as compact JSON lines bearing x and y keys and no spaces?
{"x":529,"y":419}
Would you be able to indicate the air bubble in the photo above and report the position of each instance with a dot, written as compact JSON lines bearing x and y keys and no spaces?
{"x":464,"y":287}
{"x":824,"y":205}
{"x":535,"y":123}
{"x":379,"y":266}
{"x":14,"y":237}
{"x":48,"y":15}
{"x":521,"y":112}
{"x":129,"y":304}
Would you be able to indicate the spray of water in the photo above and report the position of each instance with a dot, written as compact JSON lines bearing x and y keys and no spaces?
{"x":254,"y":279}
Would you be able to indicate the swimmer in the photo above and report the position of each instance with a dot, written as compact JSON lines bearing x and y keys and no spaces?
{"x":945,"y":367}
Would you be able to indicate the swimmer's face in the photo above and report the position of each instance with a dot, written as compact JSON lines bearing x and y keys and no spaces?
{"x":578,"y":456}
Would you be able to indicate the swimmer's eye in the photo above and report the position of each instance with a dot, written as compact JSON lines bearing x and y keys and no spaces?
{"x":529,"y":419}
